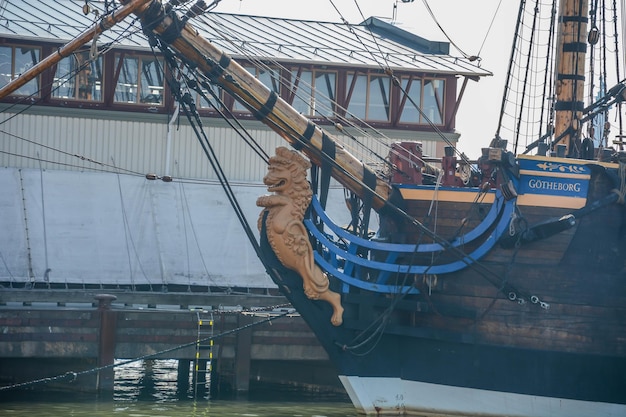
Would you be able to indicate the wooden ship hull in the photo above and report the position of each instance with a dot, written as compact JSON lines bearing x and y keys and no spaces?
{"x":509,"y":301}
{"x":530,"y":328}
{"x":503,"y":293}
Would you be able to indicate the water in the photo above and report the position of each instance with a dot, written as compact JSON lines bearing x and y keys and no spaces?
{"x":149,"y":389}
{"x":205,"y":408}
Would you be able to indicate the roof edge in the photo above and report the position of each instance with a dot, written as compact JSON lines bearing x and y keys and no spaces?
{"x":406,"y":38}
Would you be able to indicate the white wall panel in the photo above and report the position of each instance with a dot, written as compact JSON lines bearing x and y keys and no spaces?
{"x":140,"y":145}
{"x":102,"y":228}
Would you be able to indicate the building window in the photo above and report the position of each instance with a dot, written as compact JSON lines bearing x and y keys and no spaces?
{"x":433,"y":101}
{"x":207,"y":100}
{"x":270,"y":77}
{"x":210,"y":98}
{"x":325,"y":88}
{"x":357,"y":107}
{"x":302,"y":89}
{"x":78,"y":78}
{"x":314,"y":93}
{"x":140,"y":80}
{"x":428,"y":95}
{"x":413,"y":89}
{"x":378,"y":101}
{"x":14,"y":61}
{"x":369,"y":99}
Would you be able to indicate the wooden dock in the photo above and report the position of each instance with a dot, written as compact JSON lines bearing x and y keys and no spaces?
{"x":64,"y":335}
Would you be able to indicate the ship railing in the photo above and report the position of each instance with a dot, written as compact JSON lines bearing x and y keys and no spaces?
{"x":381,"y":266}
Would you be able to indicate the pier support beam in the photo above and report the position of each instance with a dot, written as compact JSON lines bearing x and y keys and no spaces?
{"x":243,"y":355}
{"x":106,"y":347}
{"x":182,"y":378}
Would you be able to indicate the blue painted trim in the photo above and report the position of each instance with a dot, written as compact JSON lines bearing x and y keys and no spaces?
{"x":492,"y":216}
{"x":332,"y":254}
{"x":355,"y":282}
{"x":415,"y":269}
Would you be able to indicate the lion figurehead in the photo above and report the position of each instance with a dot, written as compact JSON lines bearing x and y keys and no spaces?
{"x":282,"y":216}
{"x":286,"y":175}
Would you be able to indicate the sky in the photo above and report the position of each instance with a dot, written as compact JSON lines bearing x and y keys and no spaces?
{"x":467,"y":23}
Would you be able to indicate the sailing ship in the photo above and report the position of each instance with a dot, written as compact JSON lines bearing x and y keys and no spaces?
{"x":491,"y":287}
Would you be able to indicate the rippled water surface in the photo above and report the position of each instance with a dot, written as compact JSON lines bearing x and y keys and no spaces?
{"x":178,"y":409}
{"x":149,"y":389}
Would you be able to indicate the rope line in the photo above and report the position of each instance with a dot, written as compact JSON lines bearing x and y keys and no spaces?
{"x":72,"y":376}
{"x":484,"y":271}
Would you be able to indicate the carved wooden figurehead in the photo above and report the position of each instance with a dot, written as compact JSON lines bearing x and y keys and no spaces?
{"x":286,"y":178}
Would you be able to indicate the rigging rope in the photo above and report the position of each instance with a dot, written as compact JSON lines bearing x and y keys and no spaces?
{"x":294,"y":87}
{"x":432,"y":15}
{"x":191,"y":114}
{"x":32,"y":99}
{"x":493,"y":19}
{"x":338,"y":110}
{"x":621,"y":191}
{"x":616,"y":29}
{"x":187,"y":214}
{"x":482,"y":270}
{"x":129,"y":236}
{"x":535,"y":124}
{"x":388,"y":71}
{"x":485,"y":271}
{"x":188,"y":106}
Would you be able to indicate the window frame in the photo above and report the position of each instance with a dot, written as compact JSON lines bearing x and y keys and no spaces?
{"x":444,"y":99}
{"x":370,"y":78}
{"x":14,"y":75}
{"x":311,"y":109}
{"x":118,"y":59}
{"x":440,"y":97}
{"x":56,"y":79}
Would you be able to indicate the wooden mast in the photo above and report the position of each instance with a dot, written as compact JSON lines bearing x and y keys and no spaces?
{"x":268,"y":107}
{"x":107,"y":22}
{"x":570,"y":73}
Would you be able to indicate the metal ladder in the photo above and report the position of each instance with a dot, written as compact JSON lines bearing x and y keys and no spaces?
{"x":204,"y":352}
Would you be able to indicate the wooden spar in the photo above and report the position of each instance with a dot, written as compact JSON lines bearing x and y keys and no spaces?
{"x":570,"y":77}
{"x":266,"y":105}
{"x":107,"y":22}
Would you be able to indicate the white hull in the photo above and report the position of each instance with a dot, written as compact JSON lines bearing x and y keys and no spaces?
{"x":394,"y":396}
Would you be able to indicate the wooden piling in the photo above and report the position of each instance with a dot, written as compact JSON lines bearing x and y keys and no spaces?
{"x":243,"y":355}
{"x":106,"y":346}
{"x":182,"y":377}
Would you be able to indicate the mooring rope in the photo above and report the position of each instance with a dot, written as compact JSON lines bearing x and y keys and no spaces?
{"x":71,"y":376}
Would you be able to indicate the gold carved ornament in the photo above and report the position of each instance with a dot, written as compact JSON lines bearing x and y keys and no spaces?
{"x":286,"y":179}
